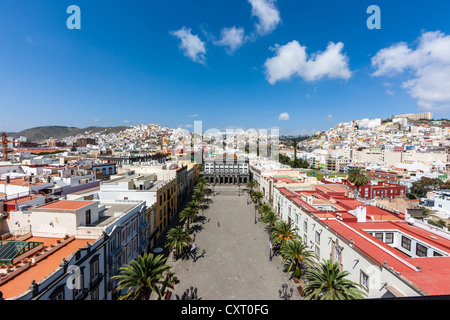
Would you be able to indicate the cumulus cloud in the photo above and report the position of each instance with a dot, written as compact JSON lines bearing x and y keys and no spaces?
{"x":292,"y":60}
{"x":191,"y":45}
{"x":231,"y":38}
{"x":427,"y":67}
{"x":284,"y":116}
{"x":267,"y":14}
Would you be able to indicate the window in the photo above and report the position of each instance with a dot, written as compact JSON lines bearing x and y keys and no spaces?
{"x":94,"y":270}
{"x":406,"y":243}
{"x":305,"y":239}
{"x":305,"y":225}
{"x":124,"y":235}
{"x":78,"y":285}
{"x":379,"y":235}
{"x":317,"y":236}
{"x":364,"y":280}
{"x":421,"y":251}
{"x":94,"y":294}
{"x":389,"y":237}
{"x":337,"y":253}
{"x":436,"y":254}
{"x":317,"y":252}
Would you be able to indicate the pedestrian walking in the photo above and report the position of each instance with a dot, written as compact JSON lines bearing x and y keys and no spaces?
{"x":218,"y":224}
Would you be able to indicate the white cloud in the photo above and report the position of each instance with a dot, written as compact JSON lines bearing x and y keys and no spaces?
{"x":231,"y":38}
{"x":126,"y":121}
{"x":193,"y":115}
{"x":292,"y":60}
{"x":284,"y":116}
{"x":427,"y":68}
{"x":267,"y":14}
{"x":192,"y":46}
{"x":330,"y":117}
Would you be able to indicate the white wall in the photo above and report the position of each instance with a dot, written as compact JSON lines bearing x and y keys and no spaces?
{"x":350,"y":260}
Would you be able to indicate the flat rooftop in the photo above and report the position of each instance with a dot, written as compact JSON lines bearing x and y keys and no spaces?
{"x":66,"y":204}
{"x":112,"y":208}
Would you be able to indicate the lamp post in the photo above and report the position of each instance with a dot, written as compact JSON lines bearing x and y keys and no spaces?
{"x":270,"y":250}
{"x":283,"y":292}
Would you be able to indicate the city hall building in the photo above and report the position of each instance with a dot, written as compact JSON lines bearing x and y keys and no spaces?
{"x":226,"y":169}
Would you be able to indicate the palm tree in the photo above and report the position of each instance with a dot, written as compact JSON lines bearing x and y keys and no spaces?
{"x":283,"y":232}
{"x":251,"y":184}
{"x":298,"y":256}
{"x":257,"y":197}
{"x":265,"y":209}
{"x":358,"y":177}
{"x":178,"y":239}
{"x":270,"y":219}
{"x":193,"y":205}
{"x":141,"y":277}
{"x":188,"y":214}
{"x":203,"y":181}
{"x":198,"y":195}
{"x":327,"y":282}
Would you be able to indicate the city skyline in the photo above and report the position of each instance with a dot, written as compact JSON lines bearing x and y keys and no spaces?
{"x":237,"y":64}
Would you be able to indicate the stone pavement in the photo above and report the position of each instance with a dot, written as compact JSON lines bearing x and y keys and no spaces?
{"x":235,"y":262}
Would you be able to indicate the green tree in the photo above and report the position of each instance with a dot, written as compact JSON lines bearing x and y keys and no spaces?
{"x":141,"y":277}
{"x":178,"y":239}
{"x":198,"y":195}
{"x":251,"y":184}
{"x":297,"y":256}
{"x":194,"y":206}
{"x":270,"y":219}
{"x":265,"y":209}
{"x":283,"y":232}
{"x":257,"y":197}
{"x":188,"y":214}
{"x":420,"y":188}
{"x":358,"y":177}
{"x":327,"y":282}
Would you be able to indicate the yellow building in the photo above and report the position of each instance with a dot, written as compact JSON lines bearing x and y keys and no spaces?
{"x":166,"y":204}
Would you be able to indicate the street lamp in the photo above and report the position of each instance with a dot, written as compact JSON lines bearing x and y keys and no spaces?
{"x":270,"y":250}
{"x":283,"y":292}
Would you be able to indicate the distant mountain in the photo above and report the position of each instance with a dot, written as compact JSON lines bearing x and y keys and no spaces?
{"x":58,"y":132}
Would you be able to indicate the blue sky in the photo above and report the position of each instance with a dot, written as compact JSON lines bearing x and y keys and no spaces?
{"x":125,"y":65}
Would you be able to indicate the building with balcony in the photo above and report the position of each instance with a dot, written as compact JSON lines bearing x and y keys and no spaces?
{"x":105,"y":235}
{"x":389,"y":254}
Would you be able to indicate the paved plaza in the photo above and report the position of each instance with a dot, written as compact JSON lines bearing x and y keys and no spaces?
{"x":232,"y":260}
